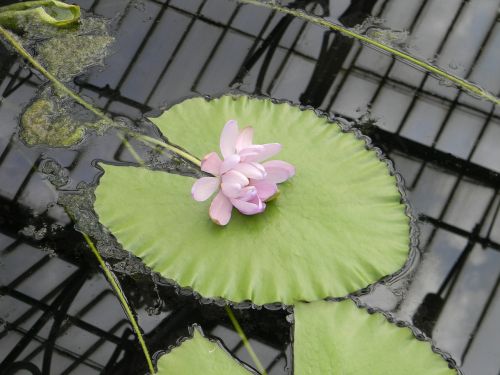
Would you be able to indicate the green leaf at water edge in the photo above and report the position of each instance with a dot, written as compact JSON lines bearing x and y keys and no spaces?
{"x":50,"y":12}
{"x":199,"y":355}
{"x":338,"y":225}
{"x":340,"y":338}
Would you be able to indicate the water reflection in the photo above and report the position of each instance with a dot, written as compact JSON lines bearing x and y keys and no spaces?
{"x":59,"y":315}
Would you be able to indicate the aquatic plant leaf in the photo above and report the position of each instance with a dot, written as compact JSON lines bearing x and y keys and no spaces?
{"x":50,"y":12}
{"x":340,"y":338}
{"x":337,"y":226}
{"x":199,"y":355}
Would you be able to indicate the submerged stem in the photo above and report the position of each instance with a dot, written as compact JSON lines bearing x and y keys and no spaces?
{"x":178,"y":151}
{"x":244,"y":338}
{"x":132,"y":150}
{"x":462,"y":83}
{"x":123,"y":301}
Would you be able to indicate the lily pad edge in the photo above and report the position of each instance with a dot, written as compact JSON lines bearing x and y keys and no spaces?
{"x":402,"y":324}
{"x":192,"y":330}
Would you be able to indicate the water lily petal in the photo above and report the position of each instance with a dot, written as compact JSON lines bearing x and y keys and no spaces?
{"x":248,"y":193}
{"x":251,"y":170}
{"x":250,"y":152}
{"x":278,"y":170}
{"x":229,"y":163}
{"x":244,"y":139}
{"x":255,"y":206}
{"x":211,"y":163}
{"x":220,"y":209}
{"x":235,"y":177}
{"x":265,"y":188}
{"x":204,"y":187}
{"x":231,"y":190}
{"x":228,"y":138}
{"x":268,"y":150}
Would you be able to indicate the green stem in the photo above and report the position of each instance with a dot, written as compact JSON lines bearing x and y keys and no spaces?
{"x":177,"y":150}
{"x":132,"y":150}
{"x":123,"y":301}
{"x":246,"y":343}
{"x":60,"y":86}
{"x":462,"y":83}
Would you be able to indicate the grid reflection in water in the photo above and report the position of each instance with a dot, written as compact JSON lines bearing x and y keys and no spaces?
{"x":443,"y":142}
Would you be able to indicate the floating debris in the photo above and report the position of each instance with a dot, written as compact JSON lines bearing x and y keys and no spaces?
{"x":56,"y":174}
{"x":393,"y":38}
{"x":31,"y":232}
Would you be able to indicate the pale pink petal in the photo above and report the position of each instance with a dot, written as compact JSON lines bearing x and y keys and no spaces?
{"x":250,"y":152}
{"x":247,"y":193}
{"x":220,"y":209}
{"x":229,"y":163}
{"x":251,"y":170}
{"x":228,"y":138}
{"x":268,"y":150}
{"x":253,"y":207}
{"x":211,"y":163}
{"x":278,"y":170}
{"x":244,"y":139}
{"x":235,"y":177}
{"x":231,"y":190}
{"x":204,"y":187}
{"x":265,"y":188}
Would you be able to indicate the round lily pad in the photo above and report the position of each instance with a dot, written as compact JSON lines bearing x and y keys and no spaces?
{"x":199,"y":355}
{"x":340,"y":338}
{"x":337,"y":226}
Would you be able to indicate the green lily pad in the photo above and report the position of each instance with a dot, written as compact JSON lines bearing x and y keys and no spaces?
{"x":49,"y":12}
{"x":338,"y":225}
{"x":199,"y":355}
{"x":340,"y":338}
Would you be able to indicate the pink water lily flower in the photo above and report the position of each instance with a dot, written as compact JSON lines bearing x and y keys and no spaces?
{"x":242,"y":178}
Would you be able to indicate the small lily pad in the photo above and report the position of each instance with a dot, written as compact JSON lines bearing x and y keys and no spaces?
{"x":340,"y":338}
{"x":50,"y":12}
{"x":199,"y":355}
{"x":337,"y":226}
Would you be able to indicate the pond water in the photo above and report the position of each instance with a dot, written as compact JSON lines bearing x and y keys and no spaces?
{"x":57,"y":313}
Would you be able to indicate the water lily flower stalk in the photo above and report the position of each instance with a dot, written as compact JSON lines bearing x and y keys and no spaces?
{"x":242,"y":178}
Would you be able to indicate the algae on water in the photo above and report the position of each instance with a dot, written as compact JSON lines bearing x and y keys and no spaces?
{"x":42,"y":123}
{"x":68,"y":56}
{"x":69,"y":52}
{"x":66,"y":53}
{"x":51,"y":123}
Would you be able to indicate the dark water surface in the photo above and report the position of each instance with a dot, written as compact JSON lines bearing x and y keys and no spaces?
{"x":57,"y":312}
